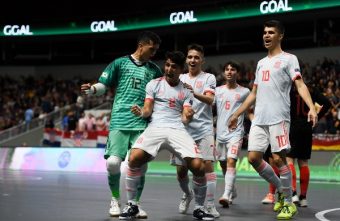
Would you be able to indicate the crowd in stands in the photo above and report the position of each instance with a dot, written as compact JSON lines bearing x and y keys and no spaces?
{"x":24,"y":99}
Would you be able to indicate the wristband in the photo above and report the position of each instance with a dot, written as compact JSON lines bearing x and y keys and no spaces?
{"x":94,"y":89}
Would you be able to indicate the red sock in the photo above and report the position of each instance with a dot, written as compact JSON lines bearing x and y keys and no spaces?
{"x":272,"y":187}
{"x":304,"y":180}
{"x":292,"y":169}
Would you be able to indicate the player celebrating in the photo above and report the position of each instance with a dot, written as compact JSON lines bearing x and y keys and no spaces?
{"x":202,"y":86}
{"x":273,"y":80}
{"x":168,"y":103}
{"x":129,"y":75}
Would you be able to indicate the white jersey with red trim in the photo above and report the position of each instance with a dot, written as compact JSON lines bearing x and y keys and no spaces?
{"x":273,"y":78}
{"x":168,"y":103}
{"x":227,"y":101}
{"x":202,"y":123}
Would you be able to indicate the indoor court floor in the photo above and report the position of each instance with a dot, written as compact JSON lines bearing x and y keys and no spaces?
{"x":68,"y":196}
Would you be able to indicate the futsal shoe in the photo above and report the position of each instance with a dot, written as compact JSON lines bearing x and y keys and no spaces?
{"x":287,"y":211}
{"x":130,"y":211}
{"x":185,"y":202}
{"x":268,"y":199}
{"x":114,"y":210}
{"x":200,"y":214}
{"x":279,"y":203}
{"x":303,"y":201}
{"x":295,"y":198}
{"x":211,"y":209}
{"x":141,"y":214}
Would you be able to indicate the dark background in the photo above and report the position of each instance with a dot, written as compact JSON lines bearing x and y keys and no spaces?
{"x":306,"y":29}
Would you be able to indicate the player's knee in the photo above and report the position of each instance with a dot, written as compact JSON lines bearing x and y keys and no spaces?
{"x":113,"y":164}
{"x":197,"y":167}
{"x":138,"y":158}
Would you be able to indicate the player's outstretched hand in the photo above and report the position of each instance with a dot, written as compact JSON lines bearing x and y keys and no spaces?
{"x":232,"y":123}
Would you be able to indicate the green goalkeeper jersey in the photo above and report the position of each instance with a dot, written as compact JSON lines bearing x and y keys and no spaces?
{"x":129,"y":80}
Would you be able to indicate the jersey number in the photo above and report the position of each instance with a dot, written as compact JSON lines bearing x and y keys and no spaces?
{"x":172,"y":103}
{"x":282,"y":140}
{"x":136,"y":83}
{"x":265,"y":75}
{"x":227,"y":105}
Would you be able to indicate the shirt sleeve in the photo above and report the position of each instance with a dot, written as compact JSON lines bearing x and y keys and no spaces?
{"x":150,"y":90}
{"x":210,"y":85}
{"x":256,"y":81}
{"x":294,"y":68}
{"x":110,"y":74}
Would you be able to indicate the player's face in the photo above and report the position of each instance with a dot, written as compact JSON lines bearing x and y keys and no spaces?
{"x":172,"y":72}
{"x":271,"y":38}
{"x":194,"y":60}
{"x":148,"y":50}
{"x":230,"y":74}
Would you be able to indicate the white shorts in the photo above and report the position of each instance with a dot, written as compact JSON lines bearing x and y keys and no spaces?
{"x":178,"y":141}
{"x":205,"y":146}
{"x":230,"y":149}
{"x":276,"y":135}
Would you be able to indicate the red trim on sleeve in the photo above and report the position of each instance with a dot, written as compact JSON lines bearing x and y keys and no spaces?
{"x":298,"y":76}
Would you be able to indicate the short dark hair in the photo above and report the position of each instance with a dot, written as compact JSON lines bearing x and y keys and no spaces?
{"x":147,"y":36}
{"x":276,"y":24}
{"x":177,"y":57}
{"x":196,"y":47}
{"x":233,"y":64}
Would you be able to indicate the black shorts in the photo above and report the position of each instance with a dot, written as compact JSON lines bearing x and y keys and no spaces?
{"x":300,"y":137}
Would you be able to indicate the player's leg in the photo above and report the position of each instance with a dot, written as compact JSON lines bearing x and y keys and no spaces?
{"x":279,"y":141}
{"x":185,"y":146}
{"x":291,"y":164}
{"x":142,"y":213}
{"x":270,"y":196}
{"x":257,"y":146}
{"x":144,"y":149}
{"x":207,"y":148}
{"x":115,"y":152}
{"x":137,"y":159}
{"x":233,"y":149}
{"x":199,"y":183}
{"x":304,"y":181}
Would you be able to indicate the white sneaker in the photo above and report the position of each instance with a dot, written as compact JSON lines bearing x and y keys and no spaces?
{"x":141,"y":214}
{"x":185,"y":202}
{"x":211,"y":209}
{"x":295,"y":199}
{"x":303,"y":203}
{"x":114,"y":210}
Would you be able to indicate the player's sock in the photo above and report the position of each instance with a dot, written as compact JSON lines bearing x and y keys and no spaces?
{"x":211,"y":187}
{"x":229,"y":180}
{"x":267,"y":173}
{"x":133,"y":178}
{"x":293,"y":171}
{"x":184,"y":184}
{"x":304,"y":180}
{"x":200,"y":189}
{"x":272,"y":187}
{"x":286,"y":180}
{"x":140,"y":187}
{"x":114,"y":183}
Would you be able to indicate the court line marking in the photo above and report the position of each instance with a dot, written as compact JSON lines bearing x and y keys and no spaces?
{"x":320,"y":215}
